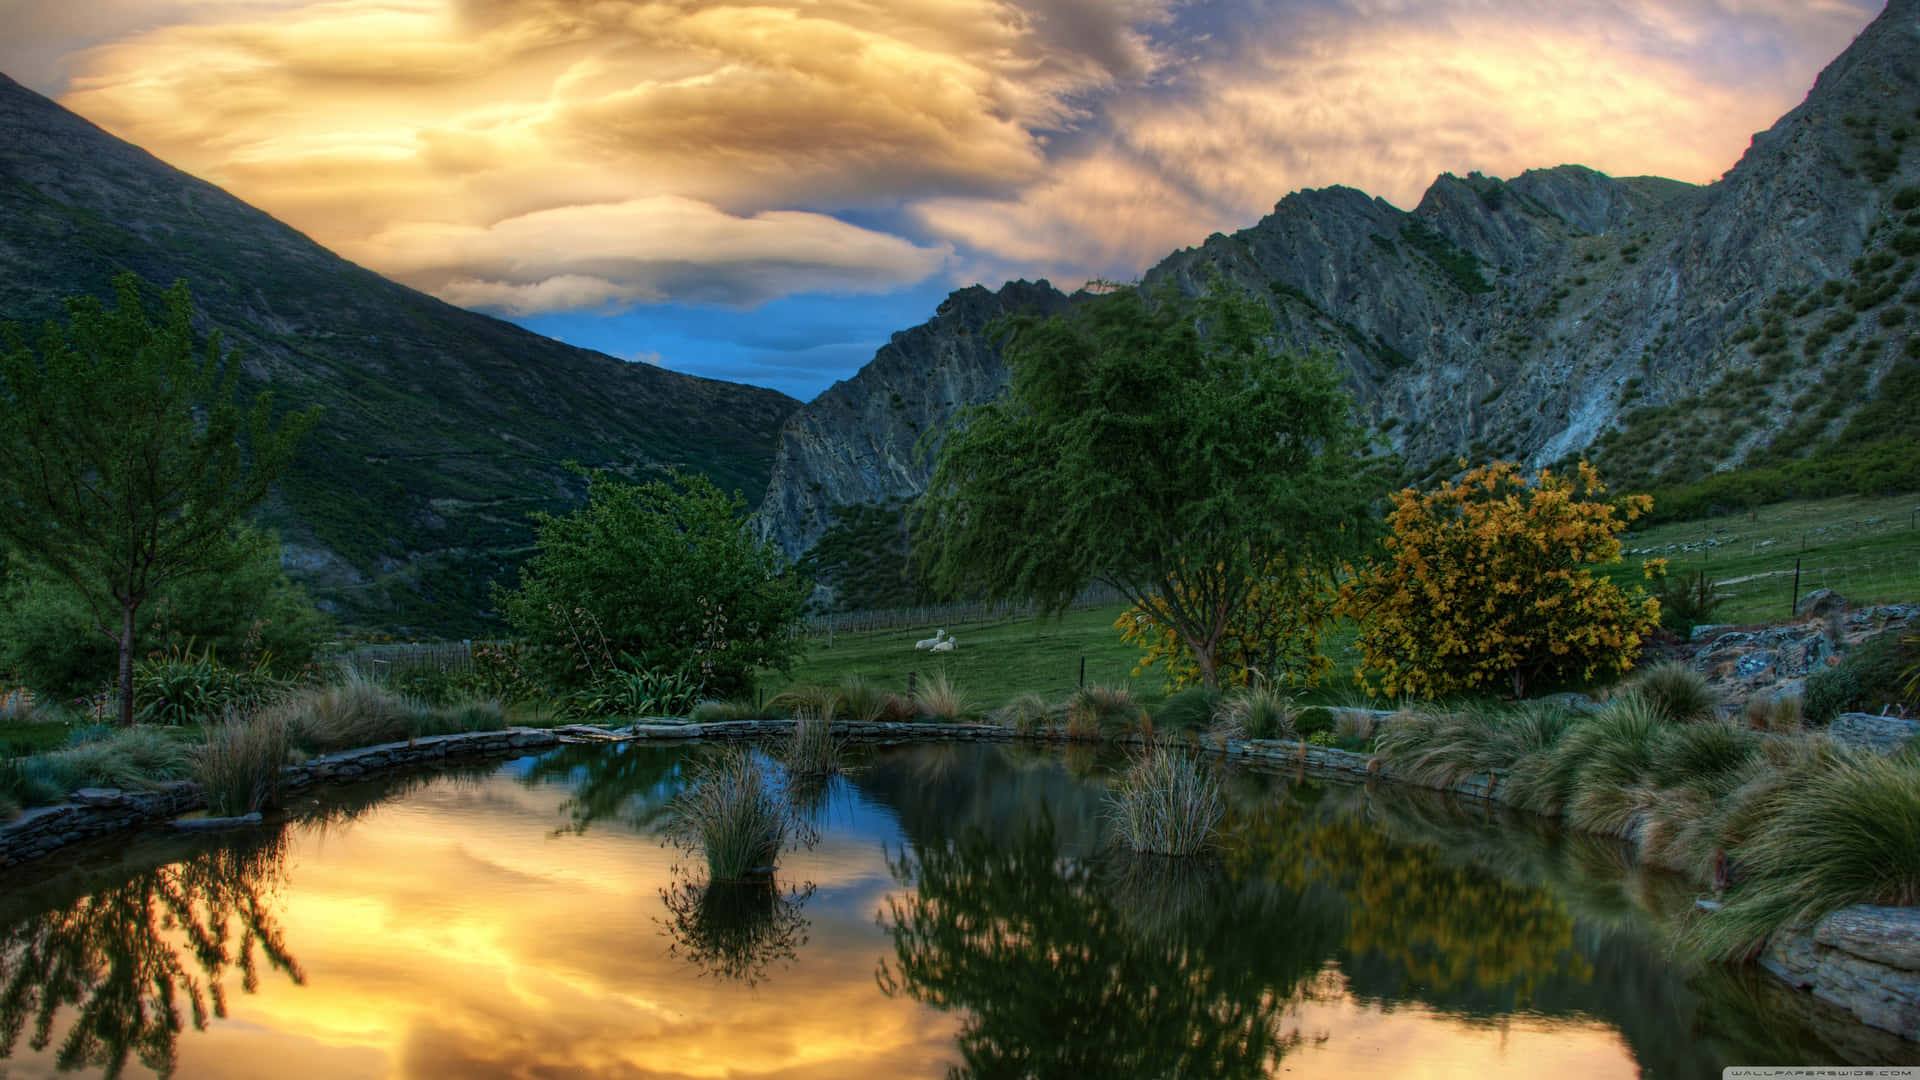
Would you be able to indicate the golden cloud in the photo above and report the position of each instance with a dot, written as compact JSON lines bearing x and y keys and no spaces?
{"x":532,"y":138}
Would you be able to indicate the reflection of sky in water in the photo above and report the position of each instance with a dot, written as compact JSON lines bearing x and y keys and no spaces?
{"x":468,"y":929}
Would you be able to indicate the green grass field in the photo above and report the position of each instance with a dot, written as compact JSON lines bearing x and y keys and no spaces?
{"x":1867,"y":550}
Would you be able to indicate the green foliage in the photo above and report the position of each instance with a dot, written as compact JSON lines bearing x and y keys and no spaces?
{"x":1190,"y":710}
{"x":1867,"y":678}
{"x":1687,"y":602}
{"x":250,"y":615}
{"x":1313,"y":721}
{"x":1456,"y":265}
{"x":1132,"y":450}
{"x":663,"y":572}
{"x":181,"y":688}
{"x":126,"y":459}
{"x":863,"y":557}
{"x":627,"y":690}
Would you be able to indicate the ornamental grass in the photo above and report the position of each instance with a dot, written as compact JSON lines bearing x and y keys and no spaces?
{"x":733,"y":814}
{"x":240,"y":763}
{"x":1165,"y":803}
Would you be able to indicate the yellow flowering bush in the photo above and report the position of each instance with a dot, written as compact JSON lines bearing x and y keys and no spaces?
{"x":1275,"y":632}
{"x":1488,"y":582}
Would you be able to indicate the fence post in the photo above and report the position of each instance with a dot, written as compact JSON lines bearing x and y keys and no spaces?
{"x":1083,"y":671}
{"x":1791,"y":611}
{"x":910,"y":678}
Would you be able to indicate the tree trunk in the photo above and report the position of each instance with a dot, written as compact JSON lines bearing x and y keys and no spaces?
{"x":1203,"y":659}
{"x":126,"y":665}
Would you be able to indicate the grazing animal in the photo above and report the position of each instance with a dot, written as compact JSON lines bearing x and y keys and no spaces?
{"x":930,"y":643}
{"x":948,"y":645}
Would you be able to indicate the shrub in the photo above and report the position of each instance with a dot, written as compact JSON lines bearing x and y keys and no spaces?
{"x":629,"y":689}
{"x":240,"y":763}
{"x":1274,"y":633}
{"x":1094,"y":711}
{"x":666,"y":572}
{"x":178,"y":687}
{"x":1165,"y":804}
{"x":1257,"y":712}
{"x":1847,"y":834}
{"x":1830,"y":692}
{"x":28,"y":782}
{"x":1678,"y":693}
{"x":1191,"y":709}
{"x":733,"y":815}
{"x":1688,"y":602}
{"x":1874,"y":674}
{"x":938,"y":698}
{"x":1314,"y":721}
{"x":1026,"y":714}
{"x":1488,"y":582}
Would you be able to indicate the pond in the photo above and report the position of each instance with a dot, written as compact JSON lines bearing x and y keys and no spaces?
{"x":957,"y":913}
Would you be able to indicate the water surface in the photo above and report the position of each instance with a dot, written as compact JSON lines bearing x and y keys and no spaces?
{"x":958,"y":912}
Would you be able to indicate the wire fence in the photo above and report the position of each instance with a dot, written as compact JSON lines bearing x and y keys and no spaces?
{"x":930,"y":616}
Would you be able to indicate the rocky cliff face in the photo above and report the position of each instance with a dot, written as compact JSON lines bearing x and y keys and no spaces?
{"x":1534,"y":318}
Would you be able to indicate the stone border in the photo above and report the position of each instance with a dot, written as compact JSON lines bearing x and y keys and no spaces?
{"x":1863,"y":959}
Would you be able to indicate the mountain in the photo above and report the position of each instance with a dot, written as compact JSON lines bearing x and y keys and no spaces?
{"x":443,"y":427}
{"x":1666,"y":329}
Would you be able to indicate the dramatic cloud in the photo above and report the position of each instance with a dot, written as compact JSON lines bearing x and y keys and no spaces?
{"x":531,"y":156}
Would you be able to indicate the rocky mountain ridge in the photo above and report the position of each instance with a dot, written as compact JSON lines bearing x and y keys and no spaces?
{"x":1667,"y":329}
{"x":443,"y":427}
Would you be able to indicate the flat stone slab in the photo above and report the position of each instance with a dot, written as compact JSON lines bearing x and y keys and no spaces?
{"x":1882,"y":734}
{"x":1887,"y":935}
{"x":210,"y":824}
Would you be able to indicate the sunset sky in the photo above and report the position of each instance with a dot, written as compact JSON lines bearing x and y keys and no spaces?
{"x":764,"y":191}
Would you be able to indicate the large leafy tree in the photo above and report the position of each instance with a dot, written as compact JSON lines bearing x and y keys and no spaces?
{"x":126,"y":461}
{"x":1155,"y":443}
{"x":664,"y":572}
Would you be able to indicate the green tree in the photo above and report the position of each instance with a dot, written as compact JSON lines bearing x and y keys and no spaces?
{"x":1132,"y":449}
{"x":251,"y":610}
{"x":126,"y":462}
{"x":664,"y":572}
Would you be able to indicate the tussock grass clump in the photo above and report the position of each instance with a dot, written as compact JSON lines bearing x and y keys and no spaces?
{"x":240,"y":763}
{"x":1588,"y":774}
{"x":1356,"y":726}
{"x":1257,"y":712}
{"x":861,"y":701}
{"x":732,"y":813}
{"x":1845,"y":834}
{"x":1026,"y":714}
{"x":130,"y":759}
{"x":1094,"y":711}
{"x":713,"y":712}
{"x":1189,"y":710}
{"x":938,"y":698}
{"x":811,"y":751}
{"x":1679,"y":694}
{"x":359,"y":712}
{"x":805,"y":696}
{"x":1165,"y":804}
{"x":1782,"y":715}
{"x":1441,"y":749}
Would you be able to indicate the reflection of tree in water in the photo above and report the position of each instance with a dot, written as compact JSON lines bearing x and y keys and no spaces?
{"x":736,"y":930}
{"x":1081,"y":968}
{"x":632,"y":783}
{"x":128,"y":956}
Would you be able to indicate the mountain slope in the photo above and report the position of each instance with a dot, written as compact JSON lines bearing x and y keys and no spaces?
{"x":1667,"y":328}
{"x":443,"y":427}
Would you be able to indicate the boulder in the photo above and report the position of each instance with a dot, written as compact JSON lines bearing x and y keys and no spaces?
{"x":1820,"y":602}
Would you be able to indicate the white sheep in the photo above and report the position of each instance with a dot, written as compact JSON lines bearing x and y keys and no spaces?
{"x":932,"y":642}
{"x":948,"y":645}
